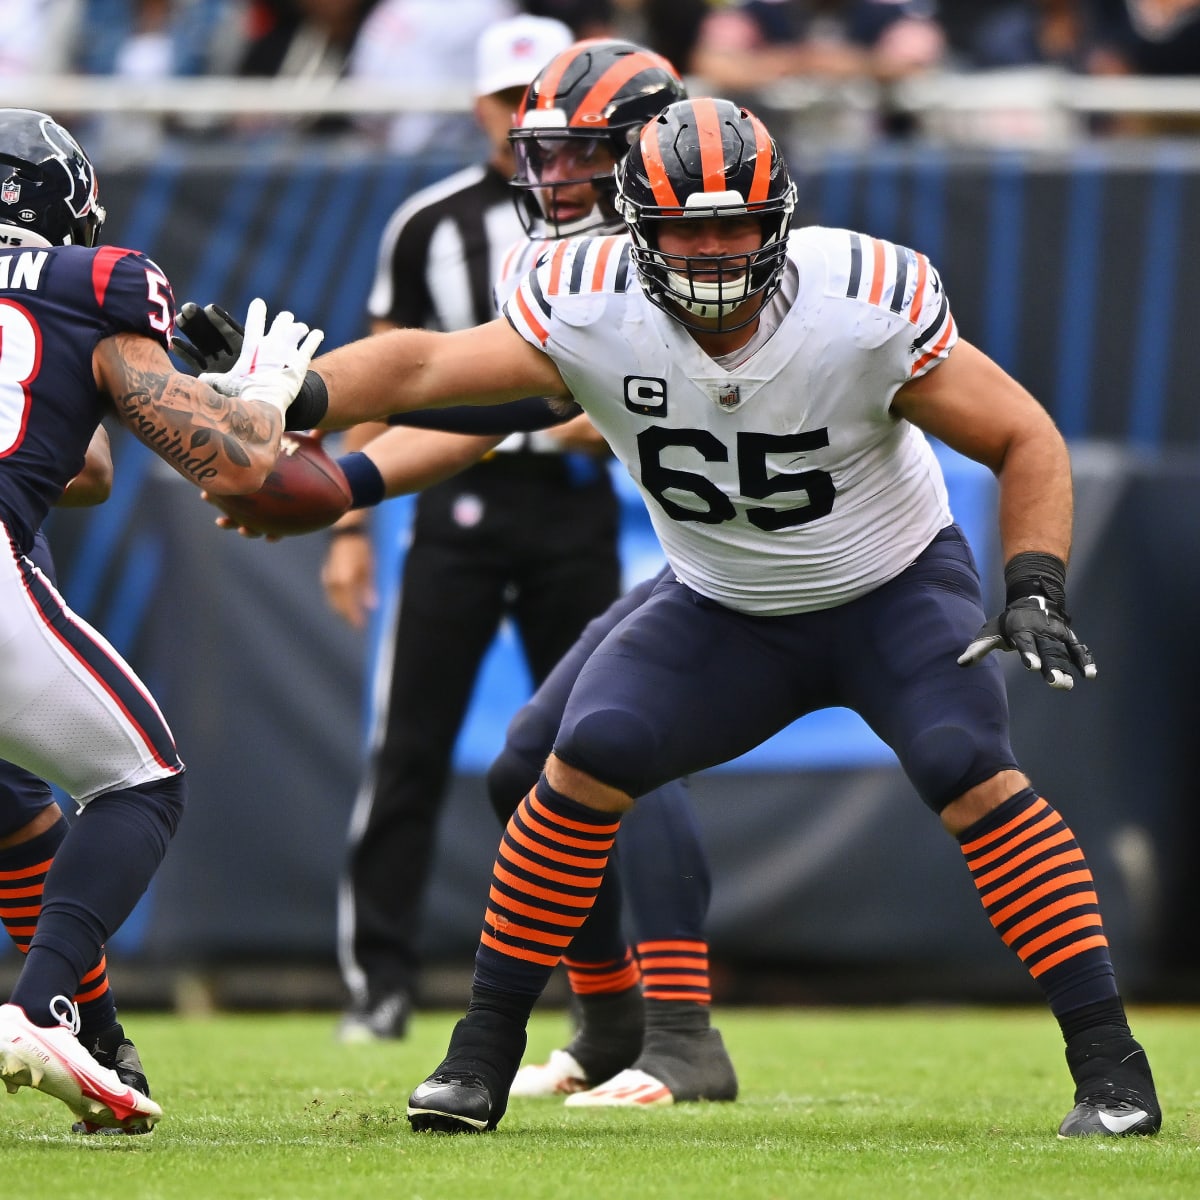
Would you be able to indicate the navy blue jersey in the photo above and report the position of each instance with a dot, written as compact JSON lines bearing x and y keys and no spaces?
{"x":56,"y":304}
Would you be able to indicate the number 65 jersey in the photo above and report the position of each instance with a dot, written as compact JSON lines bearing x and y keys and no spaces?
{"x":776,"y":478}
{"x":56,"y":304}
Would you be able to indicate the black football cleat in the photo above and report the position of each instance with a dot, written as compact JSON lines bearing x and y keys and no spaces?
{"x":1114,"y":1090}
{"x":451,"y":1102}
{"x":468,"y":1092}
{"x":112,"y":1049}
{"x":1109,"y":1117}
{"x":380,"y":1019}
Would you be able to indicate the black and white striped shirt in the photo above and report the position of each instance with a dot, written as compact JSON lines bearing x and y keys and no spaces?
{"x":441,"y":252}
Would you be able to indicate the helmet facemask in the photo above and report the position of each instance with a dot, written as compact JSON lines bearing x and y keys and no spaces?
{"x":704,"y":292}
{"x":552,"y":166}
{"x":707,"y":160}
{"x":578,"y":118}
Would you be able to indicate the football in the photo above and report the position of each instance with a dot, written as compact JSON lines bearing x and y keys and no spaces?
{"x":306,"y":490}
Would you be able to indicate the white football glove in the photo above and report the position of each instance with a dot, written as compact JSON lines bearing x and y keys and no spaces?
{"x":272,"y":363}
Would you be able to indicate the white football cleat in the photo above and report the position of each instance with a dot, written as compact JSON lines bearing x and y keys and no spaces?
{"x":629,"y":1089}
{"x":53,"y":1061}
{"x":560,"y":1075}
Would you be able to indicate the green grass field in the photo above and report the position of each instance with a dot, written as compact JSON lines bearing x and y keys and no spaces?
{"x":880,"y":1103}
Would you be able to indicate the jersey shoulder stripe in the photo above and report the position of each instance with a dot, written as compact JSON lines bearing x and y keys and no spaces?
{"x":883,"y":273}
{"x":572,"y":267}
{"x":103,"y":265}
{"x":519,"y":258}
{"x":527,"y":309}
{"x":900,"y":281}
{"x":580,"y":266}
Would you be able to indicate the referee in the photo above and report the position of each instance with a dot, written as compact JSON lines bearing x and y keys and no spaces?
{"x":530,"y":534}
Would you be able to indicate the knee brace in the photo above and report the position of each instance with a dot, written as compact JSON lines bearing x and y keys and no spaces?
{"x":946,"y":760}
{"x":615,"y":746}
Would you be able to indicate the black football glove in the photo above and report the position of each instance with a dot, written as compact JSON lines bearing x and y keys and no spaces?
{"x":208,"y":338}
{"x":1035,"y":623}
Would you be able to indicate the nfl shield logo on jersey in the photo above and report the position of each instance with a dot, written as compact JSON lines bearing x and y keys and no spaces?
{"x":729,"y":395}
{"x":10,"y":193}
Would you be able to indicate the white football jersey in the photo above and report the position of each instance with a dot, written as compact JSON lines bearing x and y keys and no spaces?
{"x":784,"y":484}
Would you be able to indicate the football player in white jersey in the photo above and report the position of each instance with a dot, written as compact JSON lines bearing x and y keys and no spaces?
{"x":770,"y":392}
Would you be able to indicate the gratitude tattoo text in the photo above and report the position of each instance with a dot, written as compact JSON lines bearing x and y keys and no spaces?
{"x":170,"y":432}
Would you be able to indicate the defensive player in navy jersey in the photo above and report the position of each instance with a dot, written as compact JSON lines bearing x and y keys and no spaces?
{"x":83,"y":334}
{"x":32,"y":827}
{"x":770,"y":391}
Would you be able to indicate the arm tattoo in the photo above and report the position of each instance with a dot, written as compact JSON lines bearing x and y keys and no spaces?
{"x":196,"y":429}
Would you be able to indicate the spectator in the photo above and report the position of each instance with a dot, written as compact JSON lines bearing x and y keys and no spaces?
{"x":415,"y":43}
{"x":305,"y":40}
{"x":758,"y":41}
{"x":1144,"y":37}
{"x":1030,"y":33}
{"x":1141,"y":37}
{"x":156,"y":39}
{"x":147,"y":40}
{"x":1032,"y":42}
{"x":585,"y":18}
{"x":669,"y":27}
{"x":39,"y":36}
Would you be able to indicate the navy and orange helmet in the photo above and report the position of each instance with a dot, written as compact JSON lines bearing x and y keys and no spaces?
{"x":707,"y":158}
{"x":577,"y":120}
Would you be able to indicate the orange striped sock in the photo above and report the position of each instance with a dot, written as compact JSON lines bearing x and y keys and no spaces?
{"x":675,"y":970}
{"x":551,"y":861}
{"x":1039,"y":895}
{"x":23,"y":869}
{"x":97,"y":1006}
{"x":596,"y":978}
{"x":21,"y":896}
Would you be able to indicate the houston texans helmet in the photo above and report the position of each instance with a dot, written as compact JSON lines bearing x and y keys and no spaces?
{"x":47,"y":183}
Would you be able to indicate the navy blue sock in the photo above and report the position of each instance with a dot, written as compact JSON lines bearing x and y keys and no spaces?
{"x":601,"y":938}
{"x":23,"y":870}
{"x":665,"y":869}
{"x":101,"y":869}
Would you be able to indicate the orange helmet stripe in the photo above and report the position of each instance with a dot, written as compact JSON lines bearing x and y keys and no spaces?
{"x":552,"y":75}
{"x":656,"y":173}
{"x":611,"y":82}
{"x":763,"y":162}
{"x":712,"y":152}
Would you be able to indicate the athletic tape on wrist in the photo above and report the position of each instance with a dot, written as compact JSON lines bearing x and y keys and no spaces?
{"x":1034,"y":573}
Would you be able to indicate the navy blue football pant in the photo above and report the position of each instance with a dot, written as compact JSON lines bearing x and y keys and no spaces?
{"x":683,"y":683}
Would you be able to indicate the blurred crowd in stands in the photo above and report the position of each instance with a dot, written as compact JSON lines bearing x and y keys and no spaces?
{"x":738,"y":48}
